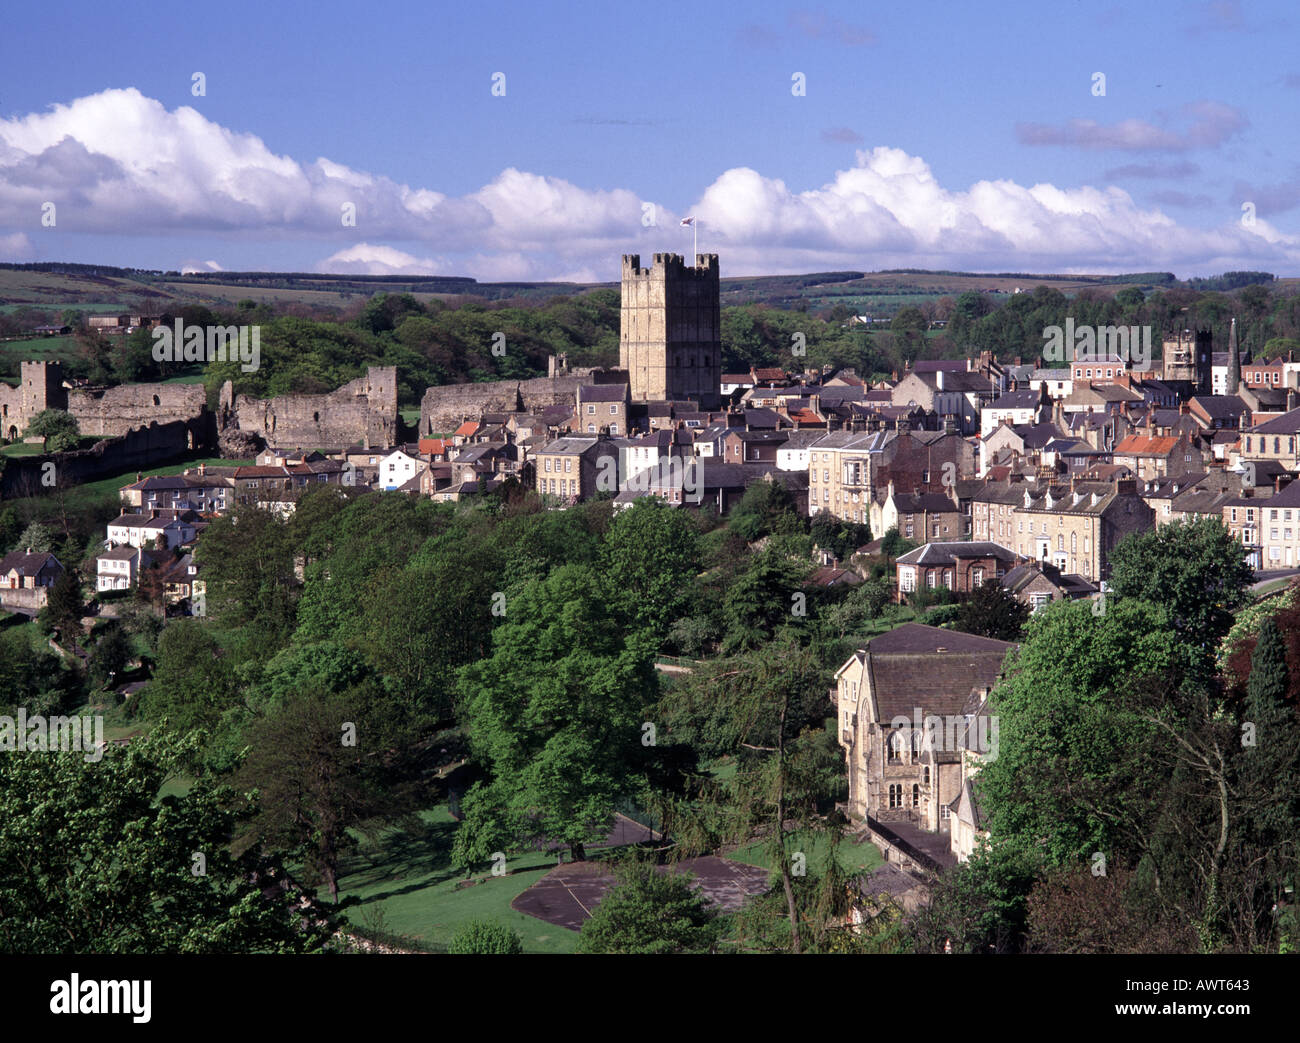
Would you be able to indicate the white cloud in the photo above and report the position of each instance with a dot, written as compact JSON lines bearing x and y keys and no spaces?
{"x":16,"y":248}
{"x":372,"y":259}
{"x":119,"y":163}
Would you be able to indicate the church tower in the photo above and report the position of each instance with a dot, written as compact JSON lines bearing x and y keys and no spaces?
{"x":670,"y":331}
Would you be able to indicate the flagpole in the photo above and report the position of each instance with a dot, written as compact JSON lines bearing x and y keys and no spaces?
{"x":695,"y":242}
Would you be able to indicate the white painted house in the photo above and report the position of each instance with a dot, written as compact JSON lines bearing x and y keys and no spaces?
{"x":396,"y":469}
{"x":143,"y":530}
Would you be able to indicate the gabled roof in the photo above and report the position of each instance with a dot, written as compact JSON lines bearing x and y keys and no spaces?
{"x":1220,"y":407}
{"x":570,"y":445}
{"x":917,"y":638}
{"x":948,"y":552}
{"x":922,"y":667}
{"x":26,"y":564}
{"x":1019,"y":399}
{"x":933,"y":503}
{"x":602,"y":393}
{"x":1146,"y":445}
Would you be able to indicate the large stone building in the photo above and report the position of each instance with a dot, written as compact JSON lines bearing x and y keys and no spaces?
{"x":1076,"y":527}
{"x":902,"y":765}
{"x":670,"y":334}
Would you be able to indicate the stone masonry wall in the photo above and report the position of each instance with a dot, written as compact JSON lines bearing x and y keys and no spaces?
{"x":110,"y":412}
{"x":445,"y":407}
{"x":363,"y":411}
{"x":137,"y":450}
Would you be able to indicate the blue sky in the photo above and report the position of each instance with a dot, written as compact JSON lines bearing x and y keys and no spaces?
{"x":929,"y":135}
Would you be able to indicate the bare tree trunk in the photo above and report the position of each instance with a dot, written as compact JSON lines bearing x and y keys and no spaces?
{"x":793,"y":911}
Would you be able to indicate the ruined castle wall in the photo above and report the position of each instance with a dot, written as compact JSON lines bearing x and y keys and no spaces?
{"x":362,"y":411}
{"x":137,"y":450}
{"x":110,"y":412}
{"x":445,"y":407}
{"x":13,"y":418}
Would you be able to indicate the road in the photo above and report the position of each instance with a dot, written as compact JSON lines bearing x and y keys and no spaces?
{"x":1264,"y":577}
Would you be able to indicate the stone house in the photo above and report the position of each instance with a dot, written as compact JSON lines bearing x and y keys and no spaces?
{"x":1157,"y":456}
{"x":1269,"y":529}
{"x":993,"y":512}
{"x":919,"y":516}
{"x":576,"y":467}
{"x":1038,"y":583}
{"x":26,"y":577}
{"x":955,"y":397}
{"x":751,"y":447}
{"x":901,"y":704}
{"x":602,"y":408}
{"x":1076,"y":527}
{"x":961,"y":566}
{"x":194,"y":491}
{"x":1277,"y":439}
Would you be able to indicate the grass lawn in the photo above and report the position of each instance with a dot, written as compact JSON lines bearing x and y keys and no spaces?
{"x":410,"y":415}
{"x":854,"y":857}
{"x":408,"y":879}
{"x":22,"y":449}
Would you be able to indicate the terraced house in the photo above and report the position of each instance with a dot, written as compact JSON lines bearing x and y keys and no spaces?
{"x":1076,"y":527}
{"x":993,"y":512}
{"x":1277,"y":439}
{"x":1268,"y":528}
{"x":840,"y":474}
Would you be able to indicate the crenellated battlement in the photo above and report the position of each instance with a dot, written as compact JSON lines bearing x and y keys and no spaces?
{"x":706,"y":266}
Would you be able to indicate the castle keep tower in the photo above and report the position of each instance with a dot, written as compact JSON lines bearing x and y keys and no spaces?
{"x":670,"y":333}
{"x":42,"y":387}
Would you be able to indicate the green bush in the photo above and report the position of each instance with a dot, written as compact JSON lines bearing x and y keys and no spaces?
{"x":485,"y":937}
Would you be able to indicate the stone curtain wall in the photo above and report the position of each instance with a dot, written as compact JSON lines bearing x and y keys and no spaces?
{"x":138,"y":450}
{"x":445,"y":407}
{"x":362,"y":411}
{"x":111,"y":412}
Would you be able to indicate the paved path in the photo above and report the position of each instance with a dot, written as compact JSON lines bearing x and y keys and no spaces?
{"x":568,"y":894}
{"x":1263,"y":579}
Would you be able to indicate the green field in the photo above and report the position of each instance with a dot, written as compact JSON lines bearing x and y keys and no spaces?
{"x":22,"y":449}
{"x":854,"y":857}
{"x":407,"y":886}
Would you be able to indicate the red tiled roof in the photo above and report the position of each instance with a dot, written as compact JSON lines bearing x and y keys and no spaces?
{"x":1146,"y":445}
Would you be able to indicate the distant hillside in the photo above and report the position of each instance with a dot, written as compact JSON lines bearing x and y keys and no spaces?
{"x":100,"y":287}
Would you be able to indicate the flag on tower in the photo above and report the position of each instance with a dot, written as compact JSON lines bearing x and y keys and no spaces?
{"x":686,"y":221}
